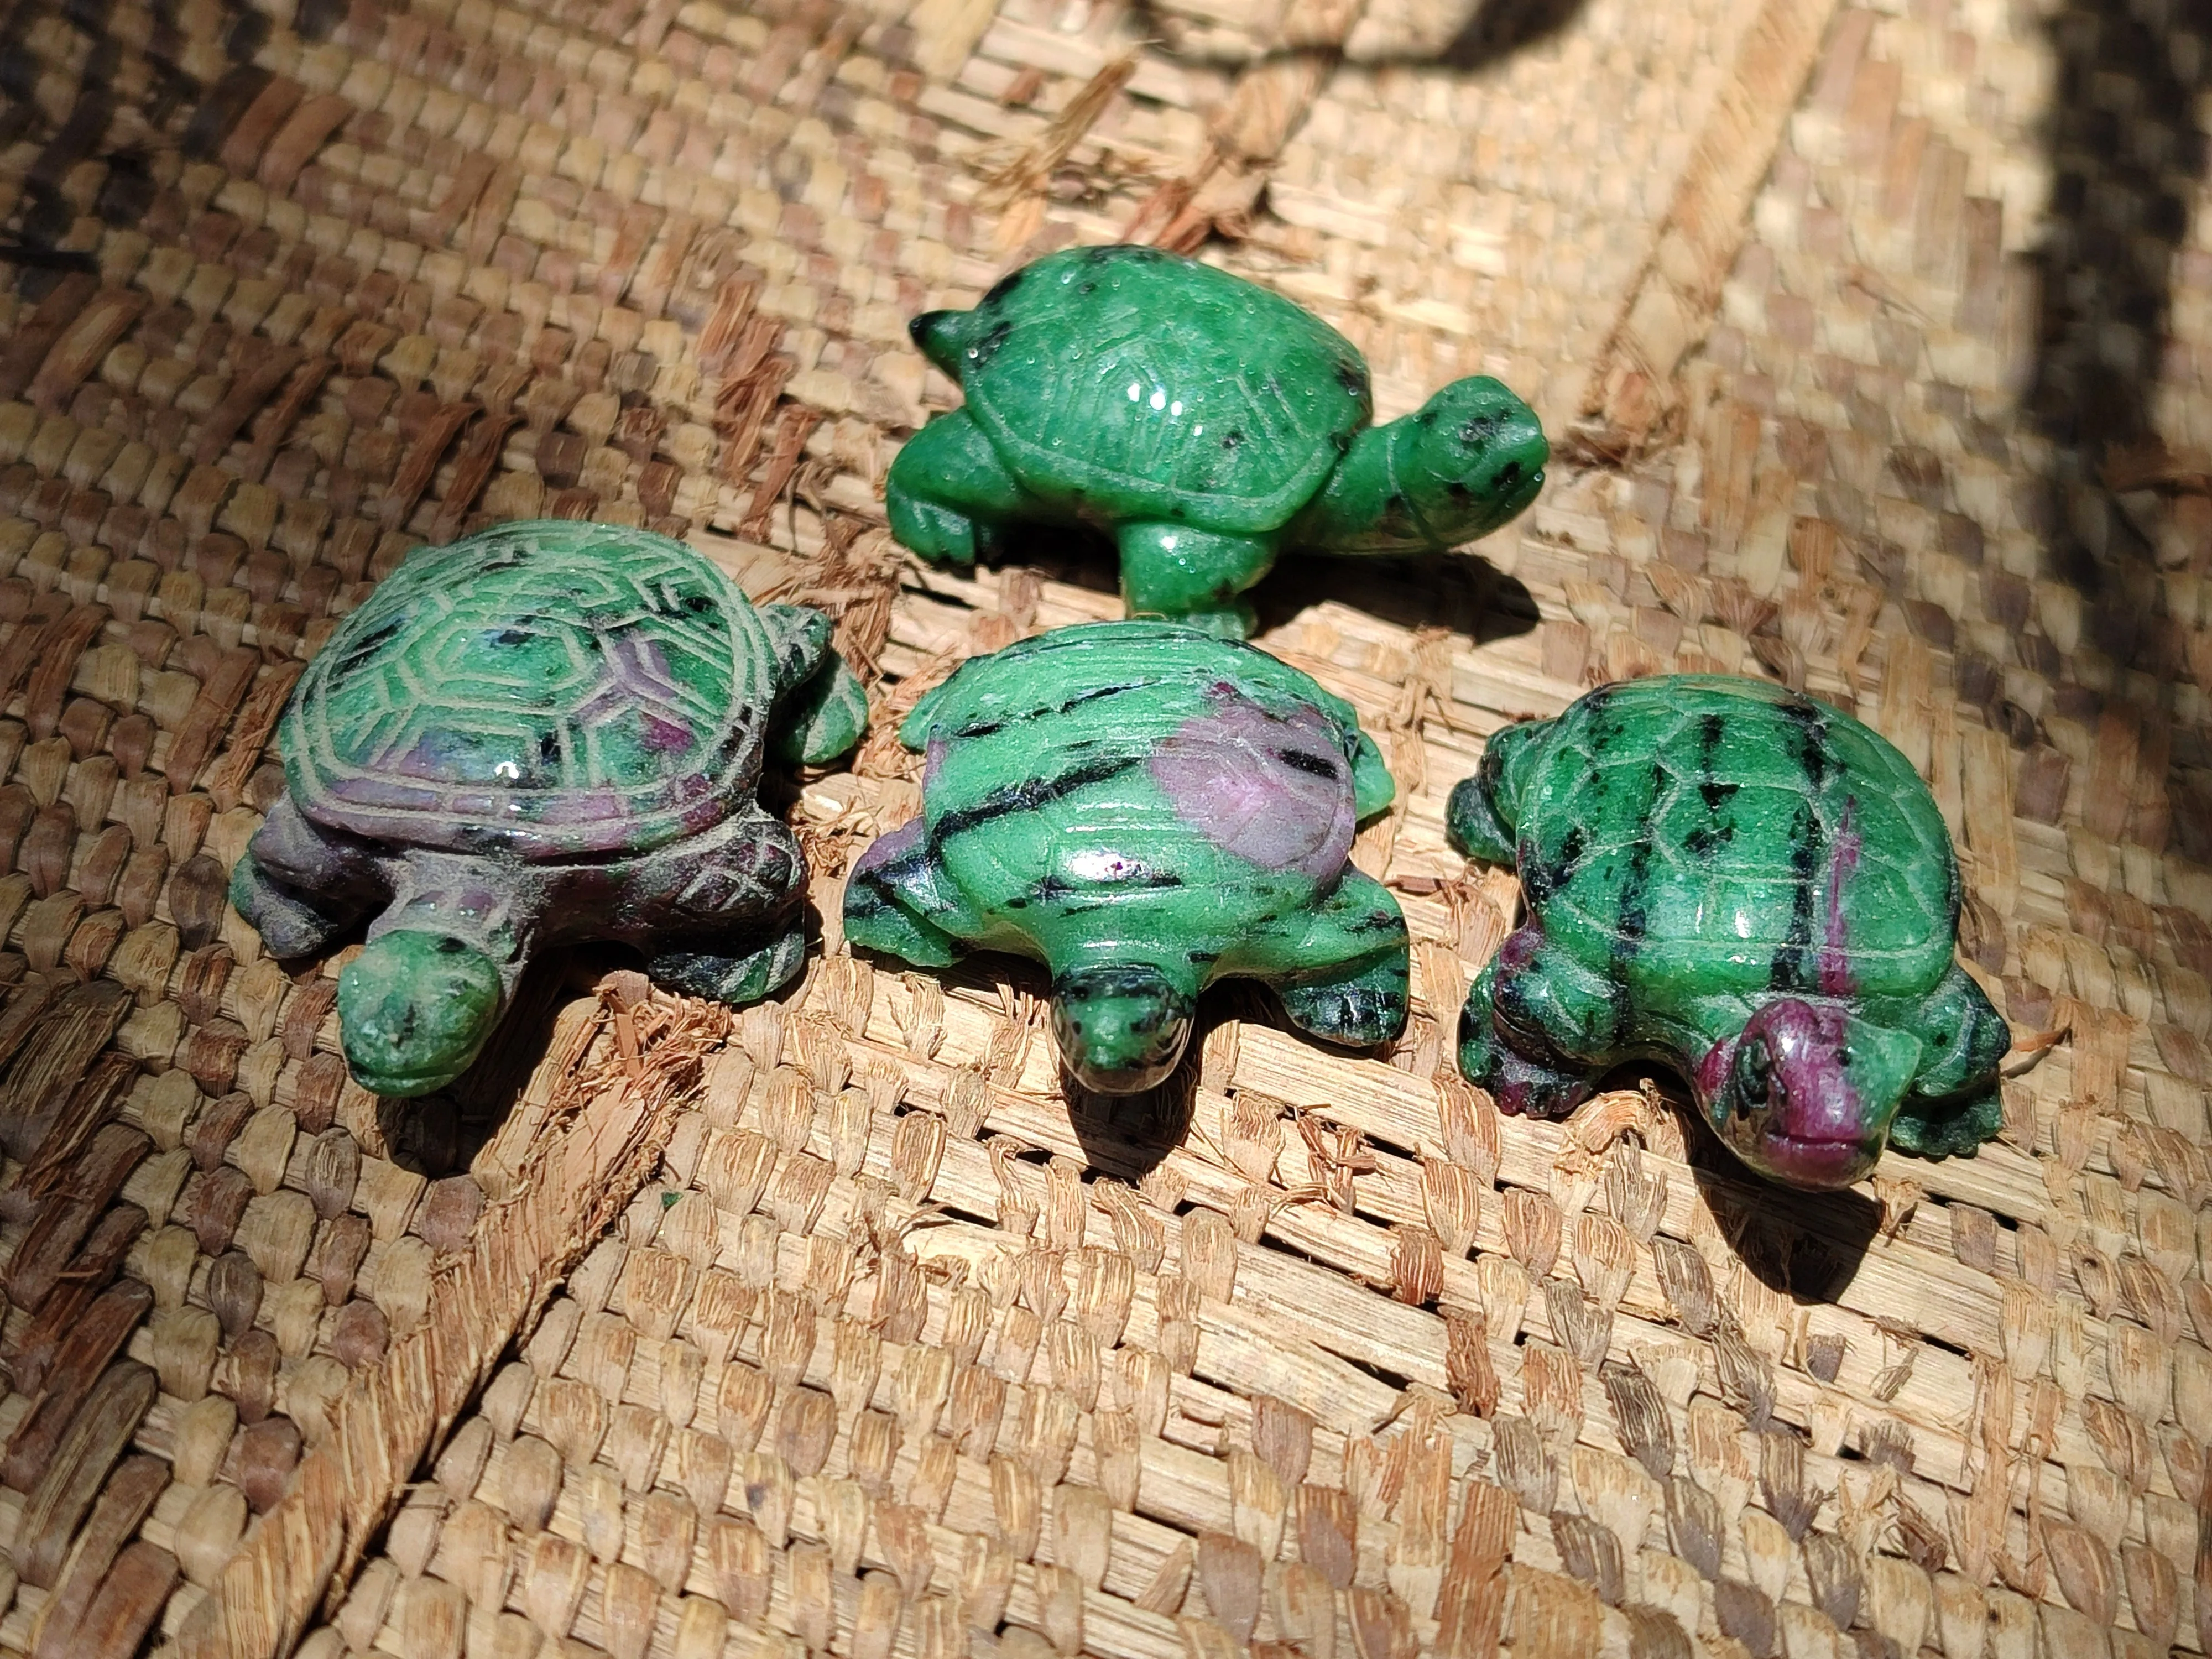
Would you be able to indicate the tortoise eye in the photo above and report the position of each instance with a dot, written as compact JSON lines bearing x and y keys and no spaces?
{"x":1755,"y":1066}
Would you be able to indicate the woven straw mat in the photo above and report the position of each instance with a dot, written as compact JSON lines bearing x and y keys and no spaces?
{"x":1875,"y":343}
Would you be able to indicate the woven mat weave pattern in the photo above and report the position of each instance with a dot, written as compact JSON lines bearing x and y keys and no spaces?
{"x":1889,"y":326}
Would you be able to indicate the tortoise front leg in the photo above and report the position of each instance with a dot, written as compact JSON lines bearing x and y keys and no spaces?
{"x":734,"y":979}
{"x":1352,"y":946}
{"x":1536,"y":1029}
{"x":1954,"y":1105}
{"x":821,"y":708}
{"x":895,"y":904}
{"x":948,"y":491}
{"x":822,"y":717}
{"x":1193,"y":576}
{"x":298,"y":888}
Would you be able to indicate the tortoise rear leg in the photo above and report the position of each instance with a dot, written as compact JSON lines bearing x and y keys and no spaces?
{"x":948,"y":491}
{"x":1193,"y":576}
{"x":1358,"y":997}
{"x":894,"y":904}
{"x":299,"y":889}
{"x":821,"y":706}
{"x":1537,"y":1029}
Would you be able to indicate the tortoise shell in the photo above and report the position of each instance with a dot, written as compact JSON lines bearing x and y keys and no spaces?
{"x":549,"y":689}
{"x":1198,"y":396}
{"x":1217,"y":776}
{"x":1735,"y":837}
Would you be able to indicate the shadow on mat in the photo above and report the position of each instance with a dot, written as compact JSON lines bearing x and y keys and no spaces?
{"x":440,"y":1134}
{"x":1490,"y":30}
{"x":1808,"y":1246}
{"x":1462,"y":592}
{"x":2128,"y":162}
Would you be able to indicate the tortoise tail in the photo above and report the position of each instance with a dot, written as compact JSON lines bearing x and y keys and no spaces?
{"x":942,"y":337}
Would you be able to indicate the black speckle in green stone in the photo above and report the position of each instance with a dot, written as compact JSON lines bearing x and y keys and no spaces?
{"x":367,"y":646}
{"x":1002,"y":290}
{"x":1809,"y":727}
{"x":1231,"y":438}
{"x":1793,"y":967}
{"x":987,"y":347}
{"x":1351,"y":377}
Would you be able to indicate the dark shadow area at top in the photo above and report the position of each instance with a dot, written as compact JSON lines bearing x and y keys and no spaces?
{"x":1493,"y":29}
{"x":2128,"y":162}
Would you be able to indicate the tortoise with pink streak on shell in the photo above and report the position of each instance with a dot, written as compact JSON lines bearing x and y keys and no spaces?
{"x":1146,"y":808}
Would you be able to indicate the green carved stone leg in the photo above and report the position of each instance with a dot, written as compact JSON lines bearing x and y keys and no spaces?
{"x":1481,"y":816}
{"x":892,"y":895}
{"x":736,"y":980}
{"x":823,"y":717}
{"x":1359,"y":997}
{"x":1951,"y":1127}
{"x":1192,"y":576}
{"x":1963,"y":1036}
{"x":1528,"y":1021}
{"x":1473,"y":825}
{"x":289,"y":924}
{"x":948,"y":491}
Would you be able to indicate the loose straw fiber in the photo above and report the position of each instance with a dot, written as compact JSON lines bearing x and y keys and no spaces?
{"x":831,"y":1325}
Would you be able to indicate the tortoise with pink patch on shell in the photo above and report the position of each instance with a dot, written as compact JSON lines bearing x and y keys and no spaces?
{"x":546,"y":732}
{"x":1746,"y":882}
{"x":1145,"y":808}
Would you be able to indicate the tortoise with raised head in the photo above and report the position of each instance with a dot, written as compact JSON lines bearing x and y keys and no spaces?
{"x":1145,"y":808}
{"x":1751,"y":886}
{"x":1205,"y":423}
{"x":544,"y":733}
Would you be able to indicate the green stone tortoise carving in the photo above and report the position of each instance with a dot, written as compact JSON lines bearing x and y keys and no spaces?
{"x":1205,"y":422}
{"x":544,"y":733}
{"x":1145,"y":808}
{"x":1729,"y":876}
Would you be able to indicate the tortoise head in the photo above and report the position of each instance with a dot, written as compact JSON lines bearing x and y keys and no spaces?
{"x":1806,"y":1092}
{"x":1121,"y":1026}
{"x":1469,"y":459}
{"x":414,"y":1007}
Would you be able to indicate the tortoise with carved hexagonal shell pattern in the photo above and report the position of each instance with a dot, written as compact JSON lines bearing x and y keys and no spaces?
{"x":544,"y":733}
{"x":1205,"y":422}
